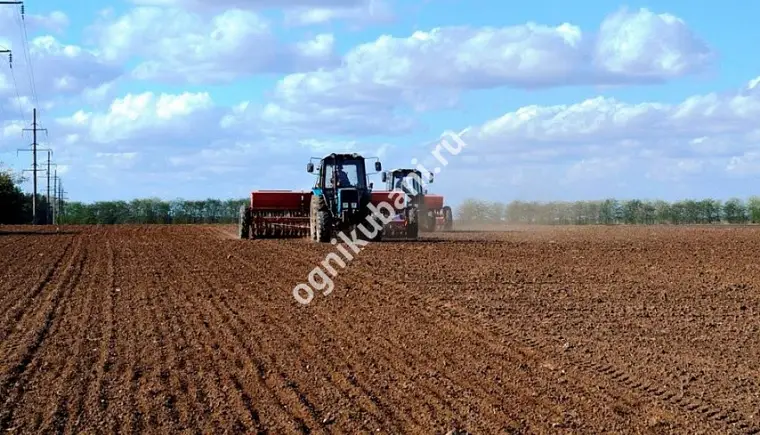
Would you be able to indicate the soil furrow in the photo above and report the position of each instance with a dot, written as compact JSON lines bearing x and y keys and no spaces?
{"x":20,"y":301}
{"x":402,"y":368}
{"x":184,"y":329}
{"x":175,"y":297}
{"x":15,"y":375}
{"x":280,"y":388}
{"x":301,"y":343}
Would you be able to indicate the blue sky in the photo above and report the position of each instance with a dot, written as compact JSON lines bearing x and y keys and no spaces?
{"x":192,"y":99}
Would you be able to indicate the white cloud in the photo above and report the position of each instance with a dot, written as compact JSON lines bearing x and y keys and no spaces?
{"x":590,"y":148}
{"x":432,"y":67}
{"x":61,"y":69}
{"x":57,"y":70}
{"x":644,"y":45}
{"x":748,"y":163}
{"x":145,"y":116}
{"x":297,"y":12}
{"x":356,"y":13}
{"x":595,"y":146}
{"x":252,"y":4}
{"x":196,"y":48}
{"x":185,"y":143}
{"x":701,"y":123}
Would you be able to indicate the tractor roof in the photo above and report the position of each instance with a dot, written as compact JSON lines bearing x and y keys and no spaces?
{"x":342,"y":156}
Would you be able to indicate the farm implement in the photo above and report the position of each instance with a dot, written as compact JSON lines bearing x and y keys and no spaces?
{"x":421,"y":212}
{"x":339,"y":201}
{"x":434,"y":215}
{"x":275,"y":214}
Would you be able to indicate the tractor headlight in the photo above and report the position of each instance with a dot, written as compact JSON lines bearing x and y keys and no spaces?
{"x":353,"y":205}
{"x":345,"y":205}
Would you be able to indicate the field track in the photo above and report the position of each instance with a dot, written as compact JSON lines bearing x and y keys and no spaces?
{"x":562,"y":330}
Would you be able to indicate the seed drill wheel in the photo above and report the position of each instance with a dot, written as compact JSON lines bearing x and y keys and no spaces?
{"x":448,"y":219}
{"x":244,"y":222}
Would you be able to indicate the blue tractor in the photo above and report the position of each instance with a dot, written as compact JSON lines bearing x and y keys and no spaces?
{"x":341,"y":196}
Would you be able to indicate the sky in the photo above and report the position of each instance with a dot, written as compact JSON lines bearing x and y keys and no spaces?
{"x":195,"y":99}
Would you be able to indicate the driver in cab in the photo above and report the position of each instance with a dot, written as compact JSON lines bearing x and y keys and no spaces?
{"x":342,"y":177}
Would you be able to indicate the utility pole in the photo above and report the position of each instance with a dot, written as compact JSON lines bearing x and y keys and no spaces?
{"x":61,"y":198}
{"x":55,"y":197}
{"x":51,"y":199}
{"x":49,"y":214}
{"x":58,"y":188}
{"x":34,"y":169}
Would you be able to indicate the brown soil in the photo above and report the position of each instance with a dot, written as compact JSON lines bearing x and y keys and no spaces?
{"x":573,"y":330}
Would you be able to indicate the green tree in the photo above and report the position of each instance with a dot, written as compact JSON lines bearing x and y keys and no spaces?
{"x":753,"y":209}
{"x":735,"y":211}
{"x":12,"y":198}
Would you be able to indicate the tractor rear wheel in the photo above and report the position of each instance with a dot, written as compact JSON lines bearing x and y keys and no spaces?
{"x":319,"y":220}
{"x":244,"y":222}
{"x":432,"y":222}
{"x":413,"y":224}
{"x":323,"y":227}
{"x":448,"y":219}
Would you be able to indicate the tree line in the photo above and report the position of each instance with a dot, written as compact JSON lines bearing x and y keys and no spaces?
{"x":607,"y":211}
{"x":153,"y":211}
{"x":16,"y":207}
{"x":612,"y":211}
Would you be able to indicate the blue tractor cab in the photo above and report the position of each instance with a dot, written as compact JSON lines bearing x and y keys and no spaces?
{"x":341,"y":194}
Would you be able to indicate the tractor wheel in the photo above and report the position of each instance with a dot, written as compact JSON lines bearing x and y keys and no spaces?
{"x":432,"y":222}
{"x":413,"y":226}
{"x":313,"y":225}
{"x":319,"y":220}
{"x":448,"y":219}
{"x":244,"y":222}
{"x":323,"y":227}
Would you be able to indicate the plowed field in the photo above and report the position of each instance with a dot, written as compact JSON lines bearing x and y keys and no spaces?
{"x":183,"y":328}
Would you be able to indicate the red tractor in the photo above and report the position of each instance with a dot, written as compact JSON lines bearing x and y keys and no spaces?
{"x":426,"y":210}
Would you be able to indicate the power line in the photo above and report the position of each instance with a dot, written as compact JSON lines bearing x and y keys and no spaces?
{"x":4,"y":50}
{"x":28,"y":55}
{"x":21,"y":20}
{"x":34,"y":169}
{"x":48,"y":217}
{"x":15,"y":82}
{"x":56,"y":179}
{"x":50,"y":199}
{"x":61,"y":199}
{"x":10,"y":63}
{"x":58,"y":192}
